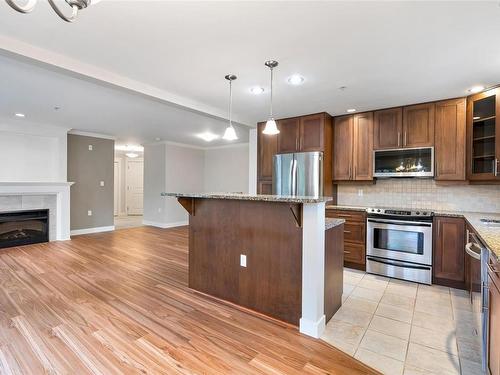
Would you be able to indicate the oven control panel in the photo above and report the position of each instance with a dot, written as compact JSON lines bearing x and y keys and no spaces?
{"x":396,"y":212}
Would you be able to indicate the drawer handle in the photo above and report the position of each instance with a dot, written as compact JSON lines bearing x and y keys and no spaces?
{"x":344,"y":215}
{"x":347,"y":252}
{"x":347,"y":231}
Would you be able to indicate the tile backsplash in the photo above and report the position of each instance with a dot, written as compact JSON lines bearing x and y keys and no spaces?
{"x":422,"y":193}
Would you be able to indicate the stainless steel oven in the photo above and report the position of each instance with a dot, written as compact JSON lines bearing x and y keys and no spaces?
{"x":399,"y":244}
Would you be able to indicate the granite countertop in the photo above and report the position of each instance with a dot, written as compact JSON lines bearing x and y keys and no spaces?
{"x":251,"y":197}
{"x":346,"y":208}
{"x":332,"y":223}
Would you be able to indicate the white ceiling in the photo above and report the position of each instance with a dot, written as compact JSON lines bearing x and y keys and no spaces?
{"x":386,"y":53}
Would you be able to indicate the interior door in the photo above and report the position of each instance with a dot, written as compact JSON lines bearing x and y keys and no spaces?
{"x":387,"y":128}
{"x":135,"y":188}
{"x":116,"y":198}
{"x":418,"y":125}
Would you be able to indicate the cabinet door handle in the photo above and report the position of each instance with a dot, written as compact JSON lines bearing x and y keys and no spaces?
{"x":347,"y":252}
{"x":399,"y":139}
{"x":347,"y":231}
{"x":406,"y":138}
{"x":495,"y":167}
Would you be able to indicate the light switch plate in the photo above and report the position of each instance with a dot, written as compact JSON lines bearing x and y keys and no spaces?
{"x":89,"y":212}
{"x":360,"y":192}
{"x":102,"y":183}
{"x":91,"y":147}
{"x":243,"y":260}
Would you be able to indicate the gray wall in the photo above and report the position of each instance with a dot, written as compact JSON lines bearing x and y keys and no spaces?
{"x":154,"y":183}
{"x":226,"y":169}
{"x":87,"y":168}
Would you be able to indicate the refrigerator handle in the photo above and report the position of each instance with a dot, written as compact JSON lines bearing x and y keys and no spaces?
{"x":290,"y":187}
{"x":294,"y":177}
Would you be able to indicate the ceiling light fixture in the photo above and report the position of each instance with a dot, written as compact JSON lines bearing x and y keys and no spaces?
{"x":76,"y":6}
{"x":130,"y":148}
{"x":351,"y":110}
{"x":476,"y":89}
{"x":131,"y":155}
{"x":20,"y":115}
{"x":295,"y":80}
{"x":208,"y":137}
{"x":271,"y":128}
{"x":230,"y":133}
{"x":257,"y":90}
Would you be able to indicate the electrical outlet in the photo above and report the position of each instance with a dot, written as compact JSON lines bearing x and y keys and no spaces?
{"x":89,"y":212}
{"x":360,"y":192}
{"x":91,"y":147}
{"x":243,"y":260}
{"x":102,"y":183}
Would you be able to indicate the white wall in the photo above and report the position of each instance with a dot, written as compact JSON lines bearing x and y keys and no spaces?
{"x":35,"y":153}
{"x":252,"y":162}
{"x":226,"y":169}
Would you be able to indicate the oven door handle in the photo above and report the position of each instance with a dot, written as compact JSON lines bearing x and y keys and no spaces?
{"x":401,"y":222}
{"x":397,"y":264}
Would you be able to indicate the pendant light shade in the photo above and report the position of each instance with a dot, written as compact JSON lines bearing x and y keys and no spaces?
{"x":271,"y":128}
{"x":230,"y":133}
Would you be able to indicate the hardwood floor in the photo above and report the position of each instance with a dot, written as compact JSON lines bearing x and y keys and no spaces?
{"x":118,"y":303}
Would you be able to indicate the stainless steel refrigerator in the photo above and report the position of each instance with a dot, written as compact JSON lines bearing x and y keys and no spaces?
{"x":298,"y":174}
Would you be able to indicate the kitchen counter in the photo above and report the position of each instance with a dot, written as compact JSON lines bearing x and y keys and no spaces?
{"x":345,"y":208}
{"x":251,"y":197}
{"x":332,"y":222}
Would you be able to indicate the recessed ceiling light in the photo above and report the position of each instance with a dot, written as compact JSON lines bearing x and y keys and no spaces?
{"x":208,"y":137}
{"x":257,"y":90}
{"x":20,"y":115}
{"x":351,"y":110}
{"x":476,"y":89}
{"x":129,"y":148}
{"x":295,"y":79}
{"x":157,"y":139}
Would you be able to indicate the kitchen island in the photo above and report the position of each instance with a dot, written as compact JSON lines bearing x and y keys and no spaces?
{"x":276,"y":255}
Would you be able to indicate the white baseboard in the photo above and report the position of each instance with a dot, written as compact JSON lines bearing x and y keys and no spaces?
{"x":77,"y":232}
{"x":311,"y":328}
{"x":165,"y":225}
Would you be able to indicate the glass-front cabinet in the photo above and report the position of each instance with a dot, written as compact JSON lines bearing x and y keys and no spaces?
{"x":483,"y":133}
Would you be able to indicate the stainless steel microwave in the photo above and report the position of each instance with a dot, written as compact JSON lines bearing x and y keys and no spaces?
{"x":404,"y":162}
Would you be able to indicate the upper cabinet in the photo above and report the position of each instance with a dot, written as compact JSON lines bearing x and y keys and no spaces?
{"x":449,"y":140}
{"x":352,"y":147}
{"x":387,"y":128}
{"x":418,"y":125}
{"x":301,"y":134}
{"x":483,"y":144}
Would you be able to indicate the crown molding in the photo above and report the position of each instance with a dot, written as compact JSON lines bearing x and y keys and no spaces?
{"x":93,"y":135}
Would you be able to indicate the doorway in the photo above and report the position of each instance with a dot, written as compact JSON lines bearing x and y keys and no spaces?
{"x":135,"y":186}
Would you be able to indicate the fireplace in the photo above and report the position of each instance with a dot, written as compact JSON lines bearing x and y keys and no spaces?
{"x":23,"y":227}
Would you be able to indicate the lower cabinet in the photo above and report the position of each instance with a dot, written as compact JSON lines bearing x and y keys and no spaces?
{"x":354,"y":236}
{"x":448,"y":266}
{"x":265,"y":187}
{"x":494,"y":311}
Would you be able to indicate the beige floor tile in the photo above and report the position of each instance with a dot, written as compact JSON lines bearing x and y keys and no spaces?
{"x":343,"y":335}
{"x":402,"y":289}
{"x":369,"y":294}
{"x":440,"y":340}
{"x":410,"y":370}
{"x":386,"y":365}
{"x":394,"y":312}
{"x":469,"y":348}
{"x":398,"y":301}
{"x":462,"y":316}
{"x":433,"y":309}
{"x":467,"y":329}
{"x":386,"y":345}
{"x":344,"y":297}
{"x":469,"y":367}
{"x":373,"y":284}
{"x":433,"y":289}
{"x":439,"y":299}
{"x":348,"y":288}
{"x":354,"y":272}
{"x":390,"y":327}
{"x":369,"y":276}
{"x":433,"y":322}
{"x":353,"y":280}
{"x":463,"y":303}
{"x":432,"y":360}
{"x":352,"y":316}
{"x":361,"y":304}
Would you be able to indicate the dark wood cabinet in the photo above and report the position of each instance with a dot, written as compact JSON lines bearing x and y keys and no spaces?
{"x":353,"y":147}
{"x":494,"y":317}
{"x":449,"y":140}
{"x":387,"y":128}
{"x":342,"y":148}
{"x":483,"y":136}
{"x":267,"y":148}
{"x":418,"y":125}
{"x":354,"y":236}
{"x":311,"y":133}
{"x":265,"y":187}
{"x":288,"y":137}
{"x":449,"y":252}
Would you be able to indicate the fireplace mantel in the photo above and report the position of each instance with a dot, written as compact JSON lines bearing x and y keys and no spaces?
{"x":61,"y":191}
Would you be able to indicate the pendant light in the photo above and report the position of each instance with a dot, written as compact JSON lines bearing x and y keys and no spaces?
{"x":271,"y":128}
{"x":230,"y":133}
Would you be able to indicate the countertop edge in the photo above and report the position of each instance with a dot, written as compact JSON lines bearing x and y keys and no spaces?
{"x":332,"y":223}
{"x":250,"y":197}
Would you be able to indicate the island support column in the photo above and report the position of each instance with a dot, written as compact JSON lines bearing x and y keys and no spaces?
{"x":312,"y":322}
